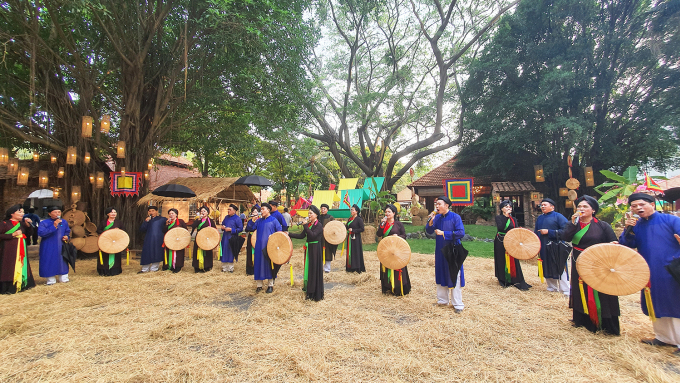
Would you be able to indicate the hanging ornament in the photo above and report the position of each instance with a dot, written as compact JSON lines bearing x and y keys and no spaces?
{"x":42,"y":178}
{"x":86,"y":159}
{"x":71,"y":155}
{"x":105,"y":124}
{"x":4,"y":156}
{"x":86,"y":130}
{"x":22,"y":177}
{"x":60,"y":172}
{"x":120,"y":149}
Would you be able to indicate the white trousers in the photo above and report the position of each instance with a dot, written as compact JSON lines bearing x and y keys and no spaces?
{"x":151,"y":267}
{"x":453,"y":295}
{"x":561,"y":285}
{"x":327,"y":267}
{"x":667,"y":330}
{"x":271,"y":282}
{"x":227,"y":266}
{"x":62,"y":278}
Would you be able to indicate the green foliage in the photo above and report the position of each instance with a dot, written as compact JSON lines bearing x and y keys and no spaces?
{"x":481,"y":207}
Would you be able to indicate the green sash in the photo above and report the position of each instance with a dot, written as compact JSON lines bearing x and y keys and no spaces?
{"x":15,"y":228}
{"x":388,"y":231}
{"x":24,"y":262}
{"x":307,"y":262}
{"x":580,"y":234}
{"x":112,"y":258}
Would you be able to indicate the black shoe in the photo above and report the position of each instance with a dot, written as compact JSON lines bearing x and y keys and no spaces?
{"x":654,"y":342}
{"x":257,"y":290}
{"x":270,"y":290}
{"x":676,"y":352}
{"x":141,"y":272}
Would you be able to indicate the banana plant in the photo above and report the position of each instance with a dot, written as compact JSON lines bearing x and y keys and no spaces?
{"x":617,"y":191}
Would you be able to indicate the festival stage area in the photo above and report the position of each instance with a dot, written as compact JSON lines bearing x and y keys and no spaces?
{"x":165,"y":327}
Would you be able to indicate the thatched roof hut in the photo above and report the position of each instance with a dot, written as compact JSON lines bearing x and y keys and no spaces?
{"x":217,"y":193}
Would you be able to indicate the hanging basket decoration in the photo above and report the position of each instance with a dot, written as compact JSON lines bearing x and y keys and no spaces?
{"x":43,"y":179}
{"x":120,"y":149}
{"x":572,"y":183}
{"x":86,"y":159}
{"x":105,"y":124}
{"x":71,"y":155}
{"x":538,"y":173}
{"x":22,"y":177}
{"x":86,"y":131}
{"x":563,"y":192}
{"x":60,"y":172}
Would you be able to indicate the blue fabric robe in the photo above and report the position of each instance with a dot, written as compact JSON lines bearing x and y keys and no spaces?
{"x":265,"y":227}
{"x":554,"y":222}
{"x":282,"y":221}
{"x":654,"y":240}
{"x":236,"y":225}
{"x":452,"y":226}
{"x":51,"y":261}
{"x":153,"y":250}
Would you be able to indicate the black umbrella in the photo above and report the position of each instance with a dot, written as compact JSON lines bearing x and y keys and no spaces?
{"x":671,"y":195}
{"x":174,"y":191}
{"x":455,"y":256}
{"x":253,"y":180}
{"x":69,"y":252}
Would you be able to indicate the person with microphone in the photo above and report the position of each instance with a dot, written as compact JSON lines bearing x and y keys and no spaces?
{"x":53,"y":232}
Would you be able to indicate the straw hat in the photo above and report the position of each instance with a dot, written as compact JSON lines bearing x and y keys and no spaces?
{"x":79,"y":243}
{"x":113,"y":241}
{"x":279,"y":248}
{"x":208,"y":238}
{"x":91,"y":245}
{"x":613,"y":269}
{"x":253,"y":238}
{"x":572,"y":183}
{"x":177,"y":238}
{"x":74,"y":217}
{"x":394,"y":252}
{"x":78,"y":231}
{"x":334,"y":232}
{"x":522,"y":243}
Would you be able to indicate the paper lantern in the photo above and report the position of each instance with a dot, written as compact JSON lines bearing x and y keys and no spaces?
{"x":36,"y":156}
{"x":75,"y":193}
{"x":150,"y":165}
{"x":105,"y":124}
{"x":71,"y":155}
{"x":120,"y":149}
{"x":92,"y":178}
{"x":569,"y":204}
{"x":4,"y":156}
{"x":56,"y":192}
{"x":590,"y":180}
{"x":122,"y":171}
{"x":538,"y":173}
{"x":53,"y":158}
{"x":22,"y":177}
{"x":13,"y":166}
{"x":60,"y":172}
{"x":86,"y":159}
{"x":146,"y":175}
{"x":99,"y":183}
{"x":86,"y":131}
{"x":564,"y":192}
{"x":42,"y":178}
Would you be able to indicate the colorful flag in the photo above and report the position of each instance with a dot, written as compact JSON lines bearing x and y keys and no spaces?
{"x":651,"y":185}
{"x":346,"y":200}
{"x":459,"y":191}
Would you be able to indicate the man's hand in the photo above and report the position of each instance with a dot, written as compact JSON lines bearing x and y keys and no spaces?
{"x":228,"y":229}
{"x":64,"y":238}
{"x":28,"y":221}
{"x":439,"y":232}
{"x":57,"y":222}
{"x":148,"y":219}
{"x":632,"y":221}
{"x":543,"y":231}
{"x":677,"y":237}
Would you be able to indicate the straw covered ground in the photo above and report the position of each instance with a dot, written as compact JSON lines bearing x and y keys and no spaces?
{"x":165,"y":327}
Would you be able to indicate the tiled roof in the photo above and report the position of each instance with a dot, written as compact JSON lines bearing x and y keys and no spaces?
{"x":446,"y":171}
{"x":162,"y":174}
{"x":669,"y":183}
{"x":522,"y":186}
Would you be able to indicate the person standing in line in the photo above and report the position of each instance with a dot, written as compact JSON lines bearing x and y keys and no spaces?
{"x":548,"y":226}
{"x":231,"y":227}
{"x":15,"y":271}
{"x":53,"y":232}
{"x":152,"y":251}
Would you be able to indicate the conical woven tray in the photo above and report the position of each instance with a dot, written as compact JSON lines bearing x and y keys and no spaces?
{"x":113,"y":241}
{"x":208,"y":238}
{"x":78,"y":232}
{"x":522,"y":243}
{"x":91,"y":245}
{"x":279,"y":248}
{"x":79,"y":243}
{"x":394,"y":252}
{"x":74,"y":217}
{"x":613,"y":269}
{"x":177,"y":238}
{"x":334,"y":232}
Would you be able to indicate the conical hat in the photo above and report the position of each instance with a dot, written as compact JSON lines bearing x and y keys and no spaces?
{"x":74,"y":217}
{"x":208,"y":238}
{"x":279,"y":248}
{"x":79,"y":243}
{"x":253,"y":238}
{"x":613,"y":269}
{"x":394,"y":252}
{"x":91,"y":245}
{"x":334,"y":232}
{"x":572,"y":183}
{"x":113,"y":241}
{"x":78,"y":231}
{"x":522,"y":243}
{"x":177,"y":238}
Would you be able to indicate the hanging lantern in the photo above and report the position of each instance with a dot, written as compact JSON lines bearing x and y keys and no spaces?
{"x":42,"y":178}
{"x":122,"y":171}
{"x":53,"y":158}
{"x":150,"y":164}
{"x":146,"y":175}
{"x":13,"y":166}
{"x":569,"y":204}
{"x":106,"y":123}
{"x":92,"y":178}
{"x":86,"y":159}
{"x":564,"y":192}
{"x":60,"y":172}
{"x":75,"y":193}
{"x":86,"y":131}
{"x":100,"y":180}
{"x":4,"y":156}
{"x":590,"y":178}
{"x":538,"y":173}
{"x":120,"y":149}
{"x":22,"y":177}
{"x":36,"y":156}
{"x":71,"y":155}
{"x":56,"y":192}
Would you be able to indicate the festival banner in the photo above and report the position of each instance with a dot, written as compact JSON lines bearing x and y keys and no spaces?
{"x":125,"y":186}
{"x":459,"y":191}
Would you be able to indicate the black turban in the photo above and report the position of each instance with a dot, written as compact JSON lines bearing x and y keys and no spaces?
{"x":151,"y":207}
{"x":233,"y":207}
{"x":445,"y":199}
{"x":548,"y":200}
{"x":255,"y":208}
{"x":52,"y":208}
{"x":640,"y":196}
{"x":323,"y":205}
{"x":391,"y":207}
{"x":273,"y":203}
{"x":505,"y":203}
{"x":590,"y":200}
{"x":268,"y":206}
{"x":315,"y":210}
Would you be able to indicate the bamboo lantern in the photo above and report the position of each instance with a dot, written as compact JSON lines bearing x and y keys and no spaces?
{"x":100,"y":180}
{"x":538,"y":173}
{"x":106,"y":123}
{"x":590,"y":180}
{"x":71,"y":155}
{"x":42,"y":178}
{"x":86,"y":127}
{"x":22,"y":177}
{"x":120,"y":149}
{"x":569,"y":204}
{"x":60,"y":172}
{"x":53,"y":158}
{"x":86,"y":159}
{"x":36,"y":157}
{"x":92,"y":178}
{"x":150,"y":164}
{"x":564,"y":192}
{"x":146,"y":175}
{"x":56,"y":192}
{"x":4,"y":156}
{"x":75,"y":193}
{"x":122,"y":171}
{"x":13,"y":166}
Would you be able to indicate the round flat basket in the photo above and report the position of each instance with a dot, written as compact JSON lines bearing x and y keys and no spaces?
{"x":113,"y":241}
{"x":335,"y":232}
{"x":91,"y":227}
{"x":208,"y":238}
{"x":613,"y":269}
{"x":91,"y":245}
{"x":74,"y":217}
{"x":572,"y":195}
{"x":572,"y":183}
{"x":279,"y":248}
{"x":79,"y":243}
{"x":522,"y":243}
{"x":253,"y":238}
{"x":394,"y":252}
{"x":177,"y":238}
{"x":78,"y":231}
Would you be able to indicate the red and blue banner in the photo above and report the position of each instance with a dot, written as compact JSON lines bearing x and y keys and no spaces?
{"x":127,"y":185}
{"x":459,"y":191}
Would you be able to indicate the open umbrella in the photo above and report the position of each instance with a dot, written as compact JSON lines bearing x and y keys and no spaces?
{"x":254,"y":180}
{"x":174,"y":191}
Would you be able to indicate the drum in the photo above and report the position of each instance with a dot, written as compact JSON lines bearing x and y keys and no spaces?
{"x":113,"y":241}
{"x":279,"y":248}
{"x":335,"y":232}
{"x":177,"y":238}
{"x":394,"y":252}
{"x":522,"y":243}
{"x":613,"y":269}
{"x":208,"y":238}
